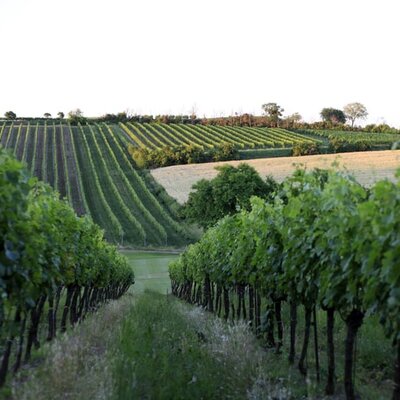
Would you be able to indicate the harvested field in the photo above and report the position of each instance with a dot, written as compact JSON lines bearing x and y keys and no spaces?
{"x":367,"y":167}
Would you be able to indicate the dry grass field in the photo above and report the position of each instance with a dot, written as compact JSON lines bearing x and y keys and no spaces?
{"x":367,"y":167}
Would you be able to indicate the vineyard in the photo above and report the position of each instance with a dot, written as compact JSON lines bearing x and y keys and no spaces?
{"x":159,"y":135}
{"x":366,"y":141}
{"x":90,"y":166}
{"x":324,"y":245}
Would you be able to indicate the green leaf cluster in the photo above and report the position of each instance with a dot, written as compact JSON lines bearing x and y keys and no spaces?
{"x":44,"y":245}
{"x":325,"y":240}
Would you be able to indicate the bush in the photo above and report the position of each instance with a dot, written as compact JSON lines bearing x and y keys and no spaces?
{"x":305,"y":149}
{"x":226,"y":152}
{"x":337,"y":145}
{"x":145,"y":158}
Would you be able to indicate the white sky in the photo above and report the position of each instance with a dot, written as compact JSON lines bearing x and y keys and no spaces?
{"x":165,"y":56}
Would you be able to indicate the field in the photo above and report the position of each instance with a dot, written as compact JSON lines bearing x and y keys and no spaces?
{"x":158,"y":135}
{"x":367,"y":167}
{"x":90,"y":166}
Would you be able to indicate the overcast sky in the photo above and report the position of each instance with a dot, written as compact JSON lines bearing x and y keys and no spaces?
{"x":219,"y":56}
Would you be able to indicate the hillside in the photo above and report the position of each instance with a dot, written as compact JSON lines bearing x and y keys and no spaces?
{"x":90,"y":166}
{"x":367,"y":167}
{"x":158,"y":135}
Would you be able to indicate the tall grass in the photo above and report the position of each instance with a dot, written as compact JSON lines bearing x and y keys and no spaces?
{"x":170,"y":351}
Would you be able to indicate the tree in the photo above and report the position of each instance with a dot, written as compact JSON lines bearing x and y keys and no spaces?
{"x":60,"y":115}
{"x":47,"y":115}
{"x":226,"y":194}
{"x":355,"y":111}
{"x":76,"y":116}
{"x":10,"y":115}
{"x":291,"y":120}
{"x":273,"y":111}
{"x":333,"y":115}
{"x":75,"y":113}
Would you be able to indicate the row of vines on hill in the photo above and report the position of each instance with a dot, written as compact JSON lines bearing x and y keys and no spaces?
{"x":173,"y":228}
{"x":324,"y":243}
{"x":158,"y":136}
{"x":90,"y":166}
{"x":55,"y":267}
{"x":143,"y":212}
{"x":43,"y":148}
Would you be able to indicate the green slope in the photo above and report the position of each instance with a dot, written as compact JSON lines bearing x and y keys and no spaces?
{"x":91,"y":167}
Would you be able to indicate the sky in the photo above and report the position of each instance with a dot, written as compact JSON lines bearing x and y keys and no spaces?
{"x":216,"y":57}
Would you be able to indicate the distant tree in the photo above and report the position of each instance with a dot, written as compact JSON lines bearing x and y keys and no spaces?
{"x":355,"y":111}
{"x":291,"y":120}
{"x":226,"y":194}
{"x":47,"y":115}
{"x":75,"y":113}
{"x":333,"y":115}
{"x":273,"y":111}
{"x":10,"y":115}
{"x":60,"y":115}
{"x":76,"y":116}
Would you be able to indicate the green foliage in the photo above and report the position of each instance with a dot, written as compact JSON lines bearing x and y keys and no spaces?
{"x":165,"y":156}
{"x":45,"y":246}
{"x":305,"y":149}
{"x":76,"y":117}
{"x":273,"y":111}
{"x":340,"y":145}
{"x":225,"y":152}
{"x":166,"y":351}
{"x":10,"y":115}
{"x":325,"y":241}
{"x":333,"y":115}
{"x":227,"y":193}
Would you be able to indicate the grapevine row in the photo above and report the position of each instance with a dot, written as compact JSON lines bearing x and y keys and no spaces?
{"x":56,"y":266}
{"x":134,"y":138}
{"x":141,"y":186}
{"x":25,"y":145}
{"x":165,"y":137}
{"x":78,"y":170}
{"x":116,"y":226}
{"x":137,"y":227}
{"x":138,"y":203}
{"x":325,"y":242}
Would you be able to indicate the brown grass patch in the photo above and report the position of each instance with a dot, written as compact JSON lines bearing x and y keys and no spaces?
{"x":367,"y":167}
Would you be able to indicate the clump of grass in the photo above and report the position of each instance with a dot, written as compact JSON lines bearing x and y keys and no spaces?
{"x":168,"y":350}
{"x":75,"y":365}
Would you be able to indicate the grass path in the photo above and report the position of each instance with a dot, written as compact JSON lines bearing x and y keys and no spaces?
{"x":151,"y":270}
{"x":151,"y":346}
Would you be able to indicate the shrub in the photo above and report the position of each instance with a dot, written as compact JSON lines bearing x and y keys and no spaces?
{"x":305,"y":149}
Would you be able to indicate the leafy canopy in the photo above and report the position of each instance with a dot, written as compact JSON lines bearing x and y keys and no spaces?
{"x":226,"y":194}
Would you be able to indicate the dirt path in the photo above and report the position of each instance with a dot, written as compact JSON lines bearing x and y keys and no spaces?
{"x":367,"y":167}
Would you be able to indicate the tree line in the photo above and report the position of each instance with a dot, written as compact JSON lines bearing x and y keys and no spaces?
{"x":331,"y":118}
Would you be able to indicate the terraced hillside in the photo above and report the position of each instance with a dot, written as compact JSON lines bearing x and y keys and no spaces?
{"x":158,"y":135}
{"x":91,"y":167}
